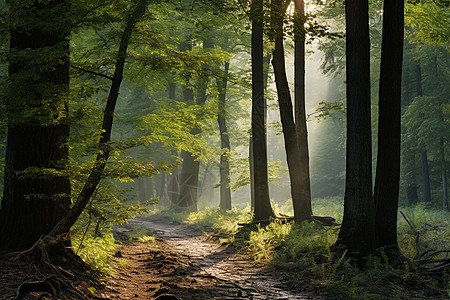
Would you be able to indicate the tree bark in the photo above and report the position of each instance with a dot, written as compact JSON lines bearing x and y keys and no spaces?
{"x":173,"y":187}
{"x":263,"y":209}
{"x":266,"y":63}
{"x":444,"y":175}
{"x":425,"y":178}
{"x":387,"y":179}
{"x":225,"y":191}
{"x":96,"y":174}
{"x":191,"y":166}
{"x":409,"y":152}
{"x":37,"y":138}
{"x":302,"y":208}
{"x":357,"y":232}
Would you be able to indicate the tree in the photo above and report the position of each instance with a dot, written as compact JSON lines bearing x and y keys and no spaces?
{"x":263,"y":209}
{"x":303,"y":206}
{"x":301,"y":196}
{"x":225,"y":191}
{"x":357,"y":232}
{"x":104,"y":146}
{"x":387,"y":178}
{"x":37,"y":188}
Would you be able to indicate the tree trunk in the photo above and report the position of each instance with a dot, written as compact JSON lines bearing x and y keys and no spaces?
{"x":408,"y":152}
{"x":387,"y":179}
{"x":444,"y":175}
{"x":266,"y":63}
{"x":140,"y":189}
{"x":225,"y":191}
{"x":190,"y":168}
{"x":410,"y":168}
{"x":162,"y":189}
{"x":97,"y":170}
{"x":33,"y":202}
{"x":424,"y":159}
{"x":263,"y":209}
{"x":302,"y":208}
{"x":357,"y":232}
{"x":173,"y":186}
{"x":188,"y":182}
{"x":425,"y":178}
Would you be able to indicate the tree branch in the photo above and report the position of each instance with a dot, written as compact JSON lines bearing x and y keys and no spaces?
{"x":92,"y":72}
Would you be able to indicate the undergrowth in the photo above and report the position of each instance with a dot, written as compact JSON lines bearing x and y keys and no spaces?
{"x":304,"y":251}
{"x":95,"y":249}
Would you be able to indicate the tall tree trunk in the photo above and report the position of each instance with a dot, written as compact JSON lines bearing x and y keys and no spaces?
{"x":409,"y":162}
{"x":140,"y":189}
{"x":96,"y":174}
{"x":188,"y":182}
{"x":444,"y":175}
{"x":266,"y":65}
{"x":225,"y":191}
{"x":263,"y":209}
{"x":162,"y":189}
{"x":148,"y":186}
{"x":301,"y":211}
{"x":191,"y":166}
{"x":34,"y":201}
{"x":408,"y":152}
{"x":425,"y":178}
{"x":387,"y":179}
{"x":252,"y":172}
{"x":302,"y":208}
{"x":426,"y":189}
{"x":173,"y":184}
{"x":357,"y":232}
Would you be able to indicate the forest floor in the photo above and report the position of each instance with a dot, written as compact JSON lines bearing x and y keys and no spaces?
{"x":157,"y":256}
{"x":190,"y":265}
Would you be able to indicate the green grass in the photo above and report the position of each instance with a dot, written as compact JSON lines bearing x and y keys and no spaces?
{"x":95,"y":250}
{"x":303,"y":250}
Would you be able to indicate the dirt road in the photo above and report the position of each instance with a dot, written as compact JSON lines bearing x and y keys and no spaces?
{"x":188,"y":264}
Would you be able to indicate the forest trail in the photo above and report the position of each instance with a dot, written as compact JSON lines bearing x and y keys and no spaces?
{"x":190,"y":265}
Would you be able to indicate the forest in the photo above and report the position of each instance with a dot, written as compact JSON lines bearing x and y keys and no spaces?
{"x":224,"y":149}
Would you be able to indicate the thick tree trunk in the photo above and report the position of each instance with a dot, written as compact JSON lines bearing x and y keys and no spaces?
{"x":225,"y":191}
{"x":190,"y":169}
{"x":34,"y":201}
{"x":97,"y":170}
{"x":302,"y":208}
{"x":266,"y":66}
{"x":357,"y":232}
{"x":188,"y":182}
{"x":387,"y":178}
{"x":263,"y":209}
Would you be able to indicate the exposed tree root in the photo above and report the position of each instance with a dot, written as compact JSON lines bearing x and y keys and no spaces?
{"x":55,"y":268}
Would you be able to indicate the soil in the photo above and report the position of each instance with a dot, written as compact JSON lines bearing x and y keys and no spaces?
{"x":182,"y":263}
{"x":190,"y":265}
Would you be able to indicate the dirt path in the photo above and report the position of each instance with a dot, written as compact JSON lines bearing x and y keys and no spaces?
{"x":191,"y":266}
